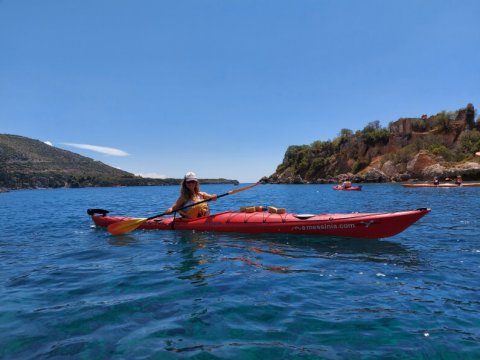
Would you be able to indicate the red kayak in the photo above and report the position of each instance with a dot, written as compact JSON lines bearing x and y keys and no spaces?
{"x":443,"y":185}
{"x":357,"y":225}
{"x":352,"y":188}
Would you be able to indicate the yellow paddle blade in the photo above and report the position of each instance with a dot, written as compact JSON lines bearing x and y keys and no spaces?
{"x":125,"y":226}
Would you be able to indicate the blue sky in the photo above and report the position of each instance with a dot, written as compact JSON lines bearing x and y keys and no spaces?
{"x":223,"y":87}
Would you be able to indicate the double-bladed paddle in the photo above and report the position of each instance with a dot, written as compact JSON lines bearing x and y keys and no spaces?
{"x":125,"y":226}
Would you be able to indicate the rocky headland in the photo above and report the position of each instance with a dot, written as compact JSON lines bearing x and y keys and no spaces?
{"x":409,"y":149}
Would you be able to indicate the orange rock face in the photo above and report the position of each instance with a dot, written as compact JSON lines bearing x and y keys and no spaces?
{"x":419,"y":163}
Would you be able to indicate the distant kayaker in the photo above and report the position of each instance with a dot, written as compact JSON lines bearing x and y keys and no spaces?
{"x":347,"y":183}
{"x":190,"y":194}
{"x":436,"y":181}
{"x":458,"y":180}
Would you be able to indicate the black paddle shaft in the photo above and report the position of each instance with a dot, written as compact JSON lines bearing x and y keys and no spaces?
{"x":187,"y":206}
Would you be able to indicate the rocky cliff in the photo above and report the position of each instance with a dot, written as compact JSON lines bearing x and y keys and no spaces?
{"x":420,"y":148}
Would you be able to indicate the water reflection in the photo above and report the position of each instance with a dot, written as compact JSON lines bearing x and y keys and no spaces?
{"x":281,"y":253}
{"x":196,"y":252}
{"x":122,"y":240}
{"x":284,"y":257}
{"x":199,"y":255}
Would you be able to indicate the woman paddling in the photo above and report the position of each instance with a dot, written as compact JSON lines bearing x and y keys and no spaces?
{"x":347,"y":184}
{"x":190,"y":194}
{"x":458,"y":180}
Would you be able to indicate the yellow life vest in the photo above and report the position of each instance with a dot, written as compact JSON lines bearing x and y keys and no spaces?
{"x":197,"y":210}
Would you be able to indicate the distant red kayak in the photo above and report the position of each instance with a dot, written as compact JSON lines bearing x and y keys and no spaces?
{"x":357,"y":225}
{"x":353,"y":188}
{"x":443,"y":185}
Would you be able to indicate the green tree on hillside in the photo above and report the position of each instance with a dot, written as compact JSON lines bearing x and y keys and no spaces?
{"x":469,"y":141}
{"x":373,"y":134}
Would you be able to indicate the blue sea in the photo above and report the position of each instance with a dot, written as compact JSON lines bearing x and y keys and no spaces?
{"x":72,"y":291}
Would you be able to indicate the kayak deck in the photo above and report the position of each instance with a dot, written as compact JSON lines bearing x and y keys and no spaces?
{"x":357,"y":225}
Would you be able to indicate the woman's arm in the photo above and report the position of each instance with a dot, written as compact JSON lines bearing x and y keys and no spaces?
{"x":207,"y":196}
{"x":178,"y":204}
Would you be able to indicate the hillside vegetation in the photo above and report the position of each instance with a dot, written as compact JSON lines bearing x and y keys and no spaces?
{"x":409,"y":148}
{"x":28,"y":163}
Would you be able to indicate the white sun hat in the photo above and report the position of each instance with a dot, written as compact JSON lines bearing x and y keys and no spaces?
{"x":190,"y":176}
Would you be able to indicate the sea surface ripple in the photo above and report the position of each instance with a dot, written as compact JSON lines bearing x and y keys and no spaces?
{"x":70,"y":290}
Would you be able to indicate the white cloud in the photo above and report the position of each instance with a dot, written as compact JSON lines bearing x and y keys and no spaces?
{"x":152,"y":175}
{"x":48,"y":143}
{"x":100,"y":149}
